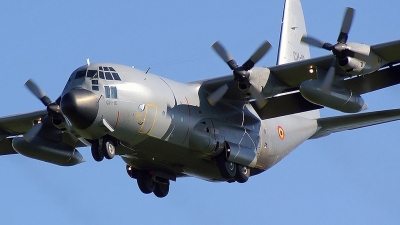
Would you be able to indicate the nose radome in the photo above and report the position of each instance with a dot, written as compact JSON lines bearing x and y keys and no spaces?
{"x":80,"y":106}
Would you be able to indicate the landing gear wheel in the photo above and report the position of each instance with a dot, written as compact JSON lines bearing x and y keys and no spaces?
{"x":161,"y":190}
{"x":108,"y":148}
{"x":242,"y":173}
{"x":97,"y":152}
{"x":226,"y":168}
{"x":145,"y":181}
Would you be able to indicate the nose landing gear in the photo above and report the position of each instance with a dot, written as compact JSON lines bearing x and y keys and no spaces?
{"x":103,"y":148}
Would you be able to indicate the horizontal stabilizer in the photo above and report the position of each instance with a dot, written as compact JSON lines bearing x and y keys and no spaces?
{"x":330,"y":125}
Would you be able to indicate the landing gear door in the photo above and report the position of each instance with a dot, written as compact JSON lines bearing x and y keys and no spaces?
{"x":148,"y":118}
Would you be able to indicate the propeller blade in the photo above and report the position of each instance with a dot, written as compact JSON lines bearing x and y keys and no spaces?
{"x":32,"y":133}
{"x":312,"y":41}
{"x":260,"y":101}
{"x":261,"y":51}
{"x":347,"y":21}
{"x":220,"y":50}
{"x":316,"y":42}
{"x":328,"y":80}
{"x":38,"y":92}
{"x":214,"y":97}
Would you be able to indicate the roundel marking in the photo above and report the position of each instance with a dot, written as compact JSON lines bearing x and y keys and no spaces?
{"x":281,"y":133}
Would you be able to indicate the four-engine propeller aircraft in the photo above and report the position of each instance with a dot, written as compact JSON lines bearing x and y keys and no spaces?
{"x":223,"y":129}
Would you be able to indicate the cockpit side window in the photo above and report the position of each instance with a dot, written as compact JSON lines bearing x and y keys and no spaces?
{"x":80,"y":74}
{"x":91,"y":73}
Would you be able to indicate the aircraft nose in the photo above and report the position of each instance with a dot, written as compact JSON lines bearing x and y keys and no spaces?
{"x":80,"y":106}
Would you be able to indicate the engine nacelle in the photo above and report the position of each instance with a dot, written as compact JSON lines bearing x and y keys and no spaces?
{"x":265,"y":82}
{"x":336,"y":97}
{"x":241,"y":154}
{"x":48,"y":151}
{"x":360,"y":64}
{"x":352,"y":65}
{"x":204,"y":137}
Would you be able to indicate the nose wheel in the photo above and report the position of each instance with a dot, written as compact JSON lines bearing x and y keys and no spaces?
{"x":97,"y":152}
{"x":108,"y":148}
{"x":103,"y":148}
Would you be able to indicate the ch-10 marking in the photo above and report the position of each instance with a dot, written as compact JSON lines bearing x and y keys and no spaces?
{"x":297,"y":56}
{"x":111,"y":102}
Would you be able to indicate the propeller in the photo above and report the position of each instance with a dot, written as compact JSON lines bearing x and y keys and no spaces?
{"x":53,"y":109}
{"x":241,"y":74}
{"x":340,"y":49}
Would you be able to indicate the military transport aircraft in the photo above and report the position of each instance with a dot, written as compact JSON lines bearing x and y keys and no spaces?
{"x":222,"y":129}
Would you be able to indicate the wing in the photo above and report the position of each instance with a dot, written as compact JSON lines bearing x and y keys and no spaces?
{"x":15,"y":125}
{"x":330,"y":125}
{"x":291,"y":75}
{"x":19,"y":124}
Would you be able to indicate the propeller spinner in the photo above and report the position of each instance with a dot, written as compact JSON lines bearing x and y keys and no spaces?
{"x":240,"y":74}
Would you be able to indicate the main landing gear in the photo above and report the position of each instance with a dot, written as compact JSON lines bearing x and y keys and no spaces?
{"x":103,"y":148}
{"x":230,"y":170}
{"x":149,"y":183}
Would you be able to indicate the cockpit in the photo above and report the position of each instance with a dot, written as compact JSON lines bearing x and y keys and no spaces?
{"x":95,"y":77}
{"x":103,"y":72}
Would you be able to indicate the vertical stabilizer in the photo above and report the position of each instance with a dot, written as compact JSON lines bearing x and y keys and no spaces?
{"x":290,"y":48}
{"x":293,"y":28}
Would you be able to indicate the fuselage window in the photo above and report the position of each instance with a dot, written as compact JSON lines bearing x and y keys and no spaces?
{"x":111,"y":92}
{"x":95,"y":88}
{"x":107,"y":90}
{"x":114,"y":92}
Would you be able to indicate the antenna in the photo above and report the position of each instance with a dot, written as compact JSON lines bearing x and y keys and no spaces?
{"x":148,"y":70}
{"x":88,"y":61}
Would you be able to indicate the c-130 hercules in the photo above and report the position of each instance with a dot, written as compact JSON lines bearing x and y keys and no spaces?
{"x":222,"y":129}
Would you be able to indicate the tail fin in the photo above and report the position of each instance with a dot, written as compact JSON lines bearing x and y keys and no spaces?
{"x":293,"y":28}
{"x":290,"y":48}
